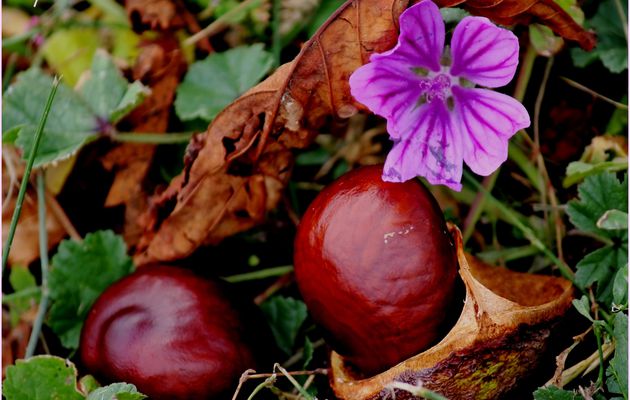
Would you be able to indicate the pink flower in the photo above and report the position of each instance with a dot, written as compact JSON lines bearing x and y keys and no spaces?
{"x":435,"y":117}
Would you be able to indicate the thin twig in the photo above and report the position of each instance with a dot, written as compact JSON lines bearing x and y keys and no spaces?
{"x":152,"y":138}
{"x":27,"y":174}
{"x":300,"y":353}
{"x":62,"y":217}
{"x":295,"y":383}
{"x":593,"y":93}
{"x":43,"y":256}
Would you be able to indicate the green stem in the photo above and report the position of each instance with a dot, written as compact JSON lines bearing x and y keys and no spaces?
{"x":600,"y":353}
{"x":43,"y":256}
{"x":525,"y":73}
{"x":524,"y":163}
{"x":220,"y":22}
{"x":27,"y":174}
{"x":295,"y":383}
{"x":276,"y":38}
{"x":527,"y":231}
{"x":262,"y":274}
{"x":478,"y":205}
{"x":22,"y":294}
{"x":593,"y":93}
{"x":622,"y":17}
{"x":152,"y":138}
{"x":266,"y":383}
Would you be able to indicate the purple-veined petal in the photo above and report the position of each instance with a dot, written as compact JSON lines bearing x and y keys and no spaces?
{"x":483,"y":53}
{"x":421,"y":39}
{"x":431,"y":148}
{"x":486,"y":121}
{"x":387,"y":90}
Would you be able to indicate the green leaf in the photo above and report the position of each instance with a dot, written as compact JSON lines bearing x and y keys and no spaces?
{"x":107,"y":92}
{"x":285,"y":315}
{"x":70,"y":122}
{"x":617,"y":372}
{"x":613,"y":220}
{"x":69,"y":52}
{"x":210,"y":85}
{"x":618,"y":123}
{"x":583,"y":306}
{"x":600,"y":267}
{"x":21,"y":281}
{"x":116,"y":391}
{"x":555,"y":393}
{"x":41,"y":378}
{"x":80,"y":272}
{"x":452,"y":15}
{"x":579,"y":170}
{"x":308,"y":352}
{"x":620,"y":286}
{"x":612,"y":46}
{"x":598,"y":194}
{"x":544,"y":41}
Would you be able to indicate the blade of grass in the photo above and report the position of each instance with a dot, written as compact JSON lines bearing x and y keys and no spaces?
{"x":152,"y":138}
{"x":27,"y":174}
{"x":43,"y":257}
{"x":526,"y":230}
{"x":261,"y":274}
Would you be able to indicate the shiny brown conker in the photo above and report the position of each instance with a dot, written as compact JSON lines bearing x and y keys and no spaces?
{"x":377,"y":268}
{"x":172,"y":334}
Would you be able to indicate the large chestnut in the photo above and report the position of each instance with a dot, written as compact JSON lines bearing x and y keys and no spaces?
{"x":377,"y":268}
{"x":171,"y":333}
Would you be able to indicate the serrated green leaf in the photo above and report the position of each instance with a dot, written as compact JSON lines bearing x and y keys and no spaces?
{"x":41,"y":378}
{"x":600,"y":267}
{"x":620,"y":286}
{"x":598,"y":194}
{"x":555,"y":393}
{"x":612,"y":46}
{"x":70,"y":122}
{"x":107,"y":92}
{"x":579,"y":170}
{"x":69,"y":52}
{"x":285,"y":316}
{"x":133,"y":97}
{"x":80,"y":272}
{"x":583,"y":306}
{"x":210,"y":85}
{"x":613,"y":220}
{"x":10,"y":135}
{"x":117,"y":391}
{"x":617,"y":372}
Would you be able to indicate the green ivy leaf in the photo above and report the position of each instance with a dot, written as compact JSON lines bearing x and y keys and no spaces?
{"x":107,"y":92}
{"x":41,"y":378}
{"x":620,"y":286}
{"x":285,"y":316}
{"x":600,"y":267}
{"x":70,"y":121}
{"x":75,"y":118}
{"x":210,"y":85}
{"x":617,"y":372}
{"x":598,"y":194}
{"x":80,"y":272}
{"x":612,"y":47}
{"x":555,"y":393}
{"x":117,"y":391}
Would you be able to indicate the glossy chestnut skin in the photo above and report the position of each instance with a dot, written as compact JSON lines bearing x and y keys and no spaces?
{"x":172,"y":334}
{"x":377,"y":268}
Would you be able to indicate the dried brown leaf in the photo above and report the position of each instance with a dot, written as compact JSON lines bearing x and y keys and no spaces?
{"x":246,"y":156}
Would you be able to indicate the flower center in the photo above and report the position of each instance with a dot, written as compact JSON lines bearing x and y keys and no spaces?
{"x":436,"y":87}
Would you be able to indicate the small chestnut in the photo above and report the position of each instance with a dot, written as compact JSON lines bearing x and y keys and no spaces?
{"x":171,"y":333}
{"x":377,"y":268}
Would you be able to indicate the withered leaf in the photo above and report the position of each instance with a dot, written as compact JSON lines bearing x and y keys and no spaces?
{"x":245,"y":159}
{"x":160,"y":66}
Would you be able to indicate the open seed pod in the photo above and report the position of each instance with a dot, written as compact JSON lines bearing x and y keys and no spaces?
{"x":498,"y":339}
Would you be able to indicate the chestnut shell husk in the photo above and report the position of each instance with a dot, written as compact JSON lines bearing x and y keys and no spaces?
{"x":499,"y":338}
